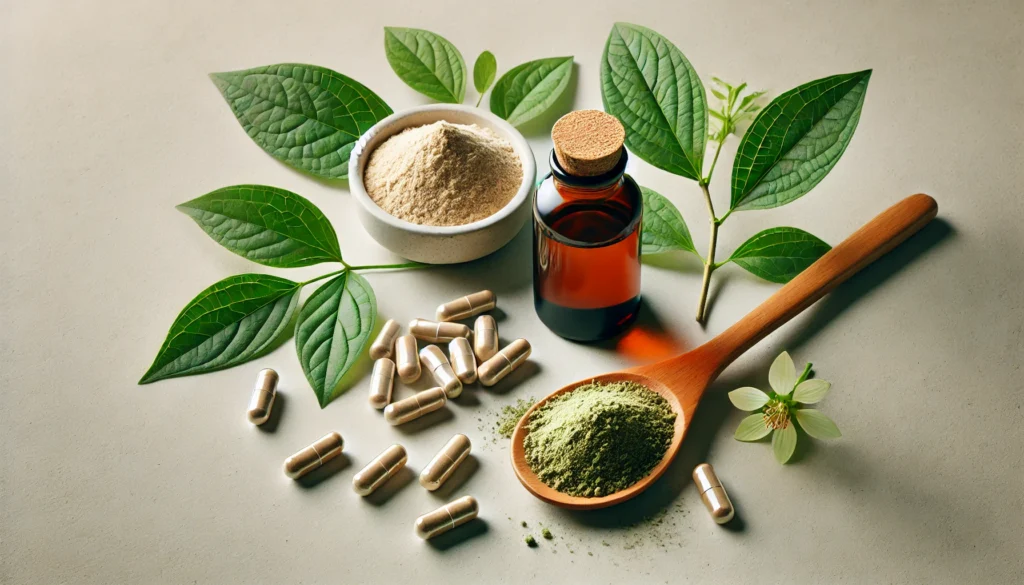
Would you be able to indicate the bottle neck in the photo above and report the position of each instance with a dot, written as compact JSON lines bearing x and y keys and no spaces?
{"x":607,"y":182}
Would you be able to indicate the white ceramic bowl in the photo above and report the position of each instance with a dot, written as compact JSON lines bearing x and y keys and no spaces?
{"x":442,"y":244}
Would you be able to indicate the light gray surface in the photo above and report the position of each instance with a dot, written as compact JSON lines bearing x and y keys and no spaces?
{"x":109,"y":121}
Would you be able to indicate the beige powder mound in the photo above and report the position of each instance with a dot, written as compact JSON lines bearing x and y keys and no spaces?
{"x":443,"y":174}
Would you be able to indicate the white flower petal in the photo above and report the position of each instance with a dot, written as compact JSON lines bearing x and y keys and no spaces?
{"x":782,"y":374}
{"x":748,"y":398}
{"x":784,"y":443}
{"x":816,"y":424}
{"x":752,"y":428}
{"x":811,"y":391}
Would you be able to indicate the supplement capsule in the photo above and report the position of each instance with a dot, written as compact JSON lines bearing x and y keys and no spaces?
{"x":502,"y":364}
{"x":446,"y":517}
{"x":379,"y":470}
{"x":437,"y":332}
{"x":444,"y":464}
{"x":406,"y":359}
{"x":713,"y":493}
{"x":381,"y":382}
{"x":383,"y":346}
{"x":436,"y":363}
{"x":263,"y":395}
{"x":463,"y":360}
{"x":468,"y":306}
{"x":485,"y":338}
{"x":415,"y":406}
{"x":327,"y":448}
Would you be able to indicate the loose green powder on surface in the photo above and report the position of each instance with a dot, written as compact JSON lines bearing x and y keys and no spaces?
{"x":599,"y":438}
{"x":509,"y":417}
{"x":546,"y":534}
{"x":530,"y":541}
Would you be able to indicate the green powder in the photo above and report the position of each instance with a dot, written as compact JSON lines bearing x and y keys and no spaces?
{"x":530,"y":541}
{"x":509,"y":417}
{"x":599,"y":438}
{"x":546,"y":534}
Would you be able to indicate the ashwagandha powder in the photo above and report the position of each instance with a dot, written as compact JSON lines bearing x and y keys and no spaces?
{"x":599,"y":438}
{"x":443,"y":174}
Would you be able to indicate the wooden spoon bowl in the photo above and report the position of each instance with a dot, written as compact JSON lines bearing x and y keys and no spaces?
{"x":682,"y":380}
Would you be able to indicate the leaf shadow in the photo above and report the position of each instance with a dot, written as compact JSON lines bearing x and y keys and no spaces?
{"x":540,"y":127}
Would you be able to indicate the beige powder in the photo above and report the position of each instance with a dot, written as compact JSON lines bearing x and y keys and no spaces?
{"x":443,"y":174}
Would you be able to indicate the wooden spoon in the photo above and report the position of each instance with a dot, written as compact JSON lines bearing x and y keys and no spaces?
{"x":683,"y":379}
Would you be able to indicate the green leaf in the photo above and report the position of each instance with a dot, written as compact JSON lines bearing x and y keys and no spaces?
{"x":271,"y":226}
{"x":782,"y":374}
{"x":779,"y":254}
{"x":752,"y":428}
{"x":648,"y":84}
{"x":748,"y":398}
{"x":526,"y":91}
{"x":426,"y":62}
{"x":811,"y":391}
{"x":232,"y":322}
{"x":816,"y":424}
{"x":306,"y":116}
{"x":796,"y":140}
{"x":663,"y":226}
{"x":484,"y":70}
{"x":784,"y":443}
{"x":332,"y":331}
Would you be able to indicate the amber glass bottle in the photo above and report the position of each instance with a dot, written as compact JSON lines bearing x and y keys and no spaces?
{"x":586,"y":272}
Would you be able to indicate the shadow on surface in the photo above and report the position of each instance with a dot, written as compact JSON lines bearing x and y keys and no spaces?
{"x":329,"y":469}
{"x":506,"y":270}
{"x":457,"y":479}
{"x":456,"y":536}
{"x":392,"y":486}
{"x":529,"y":369}
{"x":270,"y":426}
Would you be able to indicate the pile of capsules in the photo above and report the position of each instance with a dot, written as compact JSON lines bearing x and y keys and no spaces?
{"x":494,"y":365}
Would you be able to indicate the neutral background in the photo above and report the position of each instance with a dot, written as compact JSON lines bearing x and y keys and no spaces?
{"x":109,"y":121}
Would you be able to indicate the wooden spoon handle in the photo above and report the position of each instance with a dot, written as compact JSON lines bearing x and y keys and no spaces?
{"x":866,"y":245}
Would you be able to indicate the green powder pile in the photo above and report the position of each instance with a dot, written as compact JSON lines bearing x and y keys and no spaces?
{"x":599,"y":438}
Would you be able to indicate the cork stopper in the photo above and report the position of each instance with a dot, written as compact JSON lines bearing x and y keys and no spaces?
{"x":588,"y":142}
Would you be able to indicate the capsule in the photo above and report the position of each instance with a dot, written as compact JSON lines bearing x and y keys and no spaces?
{"x":415,"y":406}
{"x":444,"y":464}
{"x":467,"y":306}
{"x":436,"y":363}
{"x":443,"y":519}
{"x":406,"y":359}
{"x":437,"y":331}
{"x":462,"y":359}
{"x":485,"y":338}
{"x":326,"y":448}
{"x":713,"y":493}
{"x":383,"y":346}
{"x":504,"y":363}
{"x":263,"y":395}
{"x":381,"y":382}
{"x":379,"y":470}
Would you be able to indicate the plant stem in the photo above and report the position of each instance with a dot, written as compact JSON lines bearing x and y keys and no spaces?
{"x":709,"y":260}
{"x":322,"y":276}
{"x":807,"y":372}
{"x":480,"y":99}
{"x":389,"y":266}
{"x":714,"y":162}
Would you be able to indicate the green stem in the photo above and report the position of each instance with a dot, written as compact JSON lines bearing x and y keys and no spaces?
{"x":389,"y":266}
{"x":480,"y":99}
{"x":714,"y":161}
{"x":709,"y":261}
{"x":323,"y":276}
{"x":807,"y":372}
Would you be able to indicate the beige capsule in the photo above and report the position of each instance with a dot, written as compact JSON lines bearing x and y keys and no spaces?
{"x":443,"y":519}
{"x":437,"y":331}
{"x":383,"y":346}
{"x":504,"y":362}
{"x":435,"y":362}
{"x":467,"y":306}
{"x":462,"y":359}
{"x":415,"y":406}
{"x":485,"y":338}
{"x":263,"y":395}
{"x":444,"y":464}
{"x":326,"y":448}
{"x":712,"y":492}
{"x":379,"y":470}
{"x":381,"y":383}
{"x":406,"y":359}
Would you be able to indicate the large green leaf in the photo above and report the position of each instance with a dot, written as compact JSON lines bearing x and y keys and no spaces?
{"x":526,"y":91}
{"x":648,"y":84}
{"x":779,"y":254}
{"x":306,"y":116}
{"x":267,"y":225}
{"x":663,"y":226}
{"x":332,"y":331}
{"x":796,"y":140}
{"x":426,"y":62}
{"x":230,"y":323}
